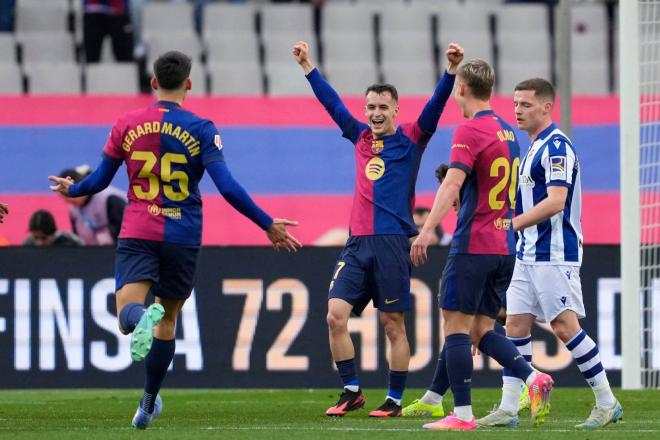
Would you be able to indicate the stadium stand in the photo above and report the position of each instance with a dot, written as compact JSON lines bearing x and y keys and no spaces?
{"x":112,"y":78}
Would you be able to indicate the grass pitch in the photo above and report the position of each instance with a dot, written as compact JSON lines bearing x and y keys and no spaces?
{"x":291,"y":414}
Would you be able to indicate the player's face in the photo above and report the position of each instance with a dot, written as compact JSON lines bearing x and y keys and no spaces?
{"x":459,"y":96}
{"x":530,"y":111}
{"x":380,"y":111}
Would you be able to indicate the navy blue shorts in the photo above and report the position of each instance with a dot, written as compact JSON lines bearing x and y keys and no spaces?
{"x":171,"y":267}
{"x":476,"y":284}
{"x":374,"y":268}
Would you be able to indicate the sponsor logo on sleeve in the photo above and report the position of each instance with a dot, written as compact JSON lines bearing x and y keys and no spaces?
{"x":463,"y":146}
{"x":558,"y":168}
{"x":217,"y":140}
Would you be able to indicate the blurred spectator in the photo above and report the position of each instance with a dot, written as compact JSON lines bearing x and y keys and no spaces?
{"x":95,"y":219}
{"x":4,"y":210}
{"x":7,"y":8}
{"x":43,"y":232}
{"x":107,"y":17}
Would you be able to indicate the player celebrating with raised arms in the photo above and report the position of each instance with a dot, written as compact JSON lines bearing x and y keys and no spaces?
{"x":375,"y":263}
{"x":546,"y":280}
{"x":166,"y":149}
{"x":481,"y":180}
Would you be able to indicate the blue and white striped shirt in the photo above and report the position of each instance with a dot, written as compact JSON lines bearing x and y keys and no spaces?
{"x":551,"y":160}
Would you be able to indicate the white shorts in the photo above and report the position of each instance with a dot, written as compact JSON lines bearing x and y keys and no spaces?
{"x":544,"y":291}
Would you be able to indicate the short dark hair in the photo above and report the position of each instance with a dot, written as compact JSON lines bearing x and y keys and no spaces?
{"x":541,"y":87}
{"x":171,"y":69}
{"x":479,"y":77}
{"x":441,"y":172}
{"x":380,"y":88}
{"x":42,"y":221}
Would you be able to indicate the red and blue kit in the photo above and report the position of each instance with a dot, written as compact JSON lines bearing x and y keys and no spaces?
{"x":166,"y":149}
{"x":485,"y":147}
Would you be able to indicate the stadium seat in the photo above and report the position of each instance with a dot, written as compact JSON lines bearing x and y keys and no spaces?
{"x":411,"y":79}
{"x":476,"y":45}
{"x":11,"y":79}
{"x":44,"y":47}
{"x":112,"y":78}
{"x":287,"y":79}
{"x":348,"y":47}
{"x":407,"y":48}
{"x":405,"y":18}
{"x":277,"y":48}
{"x":229,"y":19}
{"x":54,"y":78}
{"x":589,"y":54}
{"x":187,"y":43}
{"x":351,"y":78}
{"x":460,"y":19}
{"x":42,"y":16}
{"x":342,"y":18}
{"x":236,"y":79}
{"x":161,"y":17}
{"x":7,"y":48}
{"x":286,"y":19}
{"x":523,"y":18}
{"x":232,"y":48}
{"x":511,"y":73}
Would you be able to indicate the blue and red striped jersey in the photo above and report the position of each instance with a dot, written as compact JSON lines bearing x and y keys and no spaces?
{"x":166,"y":149}
{"x":385,"y":168}
{"x":486,"y":148}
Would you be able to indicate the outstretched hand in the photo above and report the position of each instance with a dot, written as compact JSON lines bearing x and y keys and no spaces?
{"x":4,"y":210}
{"x":280,"y":237}
{"x":455,"y":54}
{"x":62,"y":184}
{"x":301,"y":54}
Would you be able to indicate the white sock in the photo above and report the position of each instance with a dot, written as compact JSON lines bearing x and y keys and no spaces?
{"x":587,"y":357}
{"x":352,"y":388}
{"x":431,"y":398}
{"x":510,"y":394}
{"x":463,"y":412}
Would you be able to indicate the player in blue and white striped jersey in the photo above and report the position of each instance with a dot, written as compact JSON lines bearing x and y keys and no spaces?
{"x":545,"y":285}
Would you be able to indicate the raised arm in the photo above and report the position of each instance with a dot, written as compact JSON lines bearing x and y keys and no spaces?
{"x":95,"y":182}
{"x":428,"y":120}
{"x":326,"y":94}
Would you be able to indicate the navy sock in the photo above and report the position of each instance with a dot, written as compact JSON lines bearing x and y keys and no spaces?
{"x":397,"y":384}
{"x":156,"y":363}
{"x":459,"y":367}
{"x":499,"y":329}
{"x":346,"y":369}
{"x":130,"y":315}
{"x":440,"y":383}
{"x":505,"y":352}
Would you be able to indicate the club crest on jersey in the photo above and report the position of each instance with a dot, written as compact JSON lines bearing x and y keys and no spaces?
{"x":557,"y":143}
{"x":377,"y":146}
{"x":375,"y":168}
{"x":217,"y":140}
{"x":558,"y":167}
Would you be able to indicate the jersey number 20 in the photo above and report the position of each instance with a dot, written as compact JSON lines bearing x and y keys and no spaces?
{"x":509,"y":171}
{"x":166,"y":176}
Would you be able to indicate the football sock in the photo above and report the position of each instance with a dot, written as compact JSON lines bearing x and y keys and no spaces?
{"x":397,"y":385}
{"x":504,"y":351}
{"x":130,"y":315}
{"x":346,"y":369}
{"x":157,"y":362}
{"x":440,"y":383}
{"x":512,"y":385}
{"x":459,"y":370}
{"x":587,"y":357}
